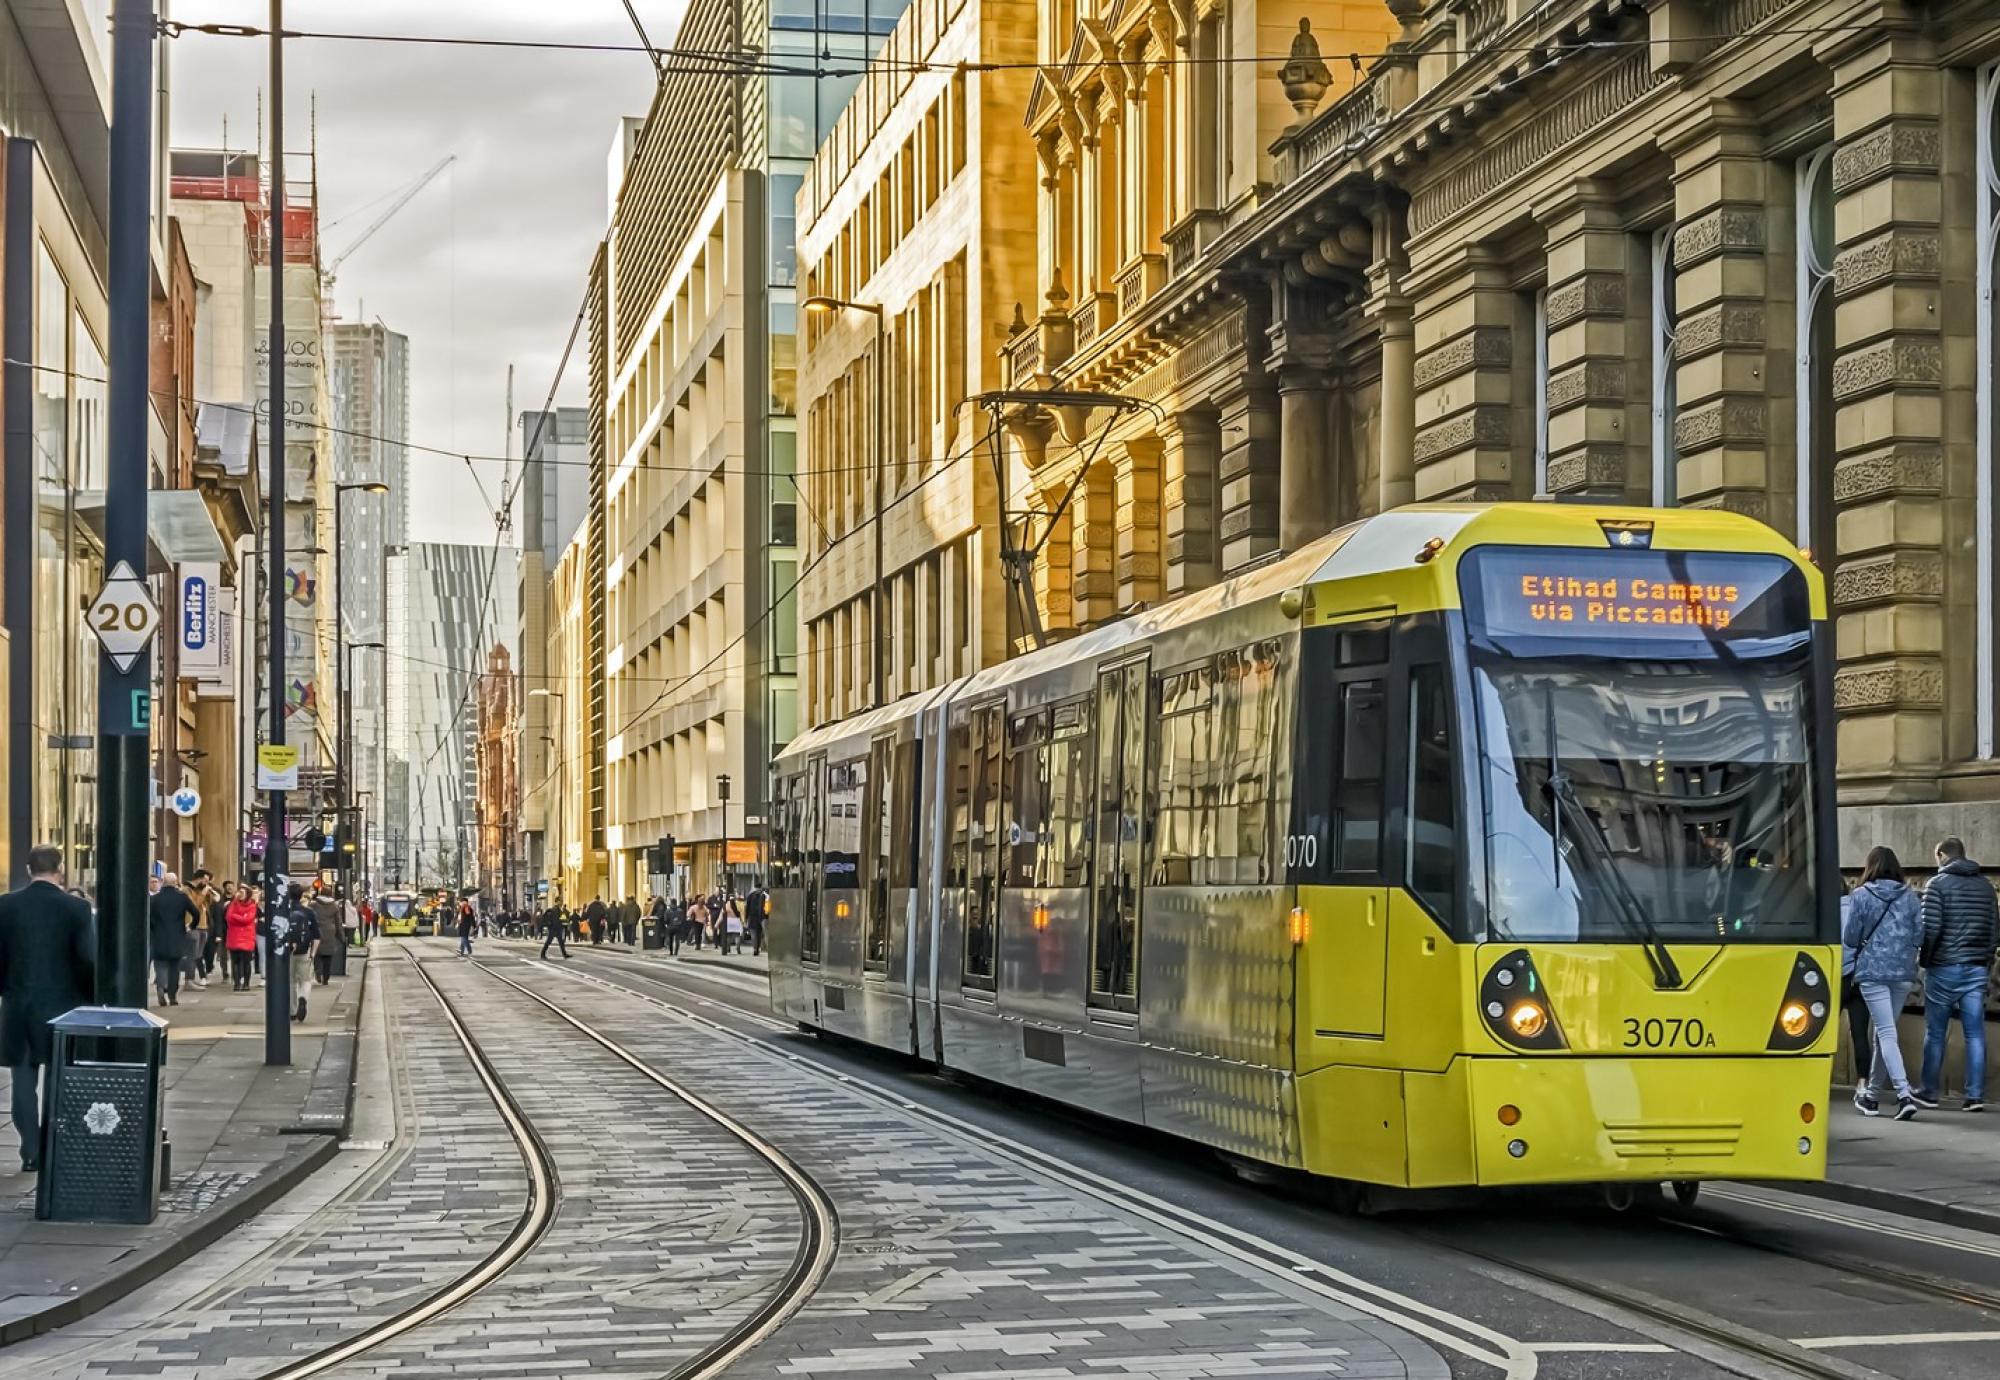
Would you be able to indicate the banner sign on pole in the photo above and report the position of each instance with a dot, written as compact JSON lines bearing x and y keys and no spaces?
{"x":277,"y":767}
{"x":199,"y":619}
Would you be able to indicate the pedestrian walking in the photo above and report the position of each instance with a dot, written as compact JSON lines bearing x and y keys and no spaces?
{"x":1884,"y":926}
{"x":731,"y":927}
{"x":756,"y":914}
{"x":47,"y":967}
{"x":214,"y":955}
{"x":1859,"y":1039}
{"x":332,"y":939}
{"x":697,"y":921}
{"x":1961,"y":929}
{"x":239,"y":937}
{"x":201,"y":891}
{"x":467,"y":923}
{"x":593,"y":919}
{"x":298,"y":945}
{"x":552,"y":929}
{"x":169,"y":914}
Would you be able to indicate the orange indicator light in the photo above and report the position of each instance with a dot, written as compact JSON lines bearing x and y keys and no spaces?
{"x":1510,"y":1115}
{"x":1301,"y":925}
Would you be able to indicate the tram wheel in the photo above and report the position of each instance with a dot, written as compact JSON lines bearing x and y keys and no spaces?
{"x":1686,"y":1191}
{"x":1619,"y":1197}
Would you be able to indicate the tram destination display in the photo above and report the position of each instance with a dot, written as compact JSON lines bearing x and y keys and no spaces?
{"x":1538,"y":592}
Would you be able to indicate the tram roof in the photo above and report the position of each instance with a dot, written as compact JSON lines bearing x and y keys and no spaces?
{"x":1373,"y":546}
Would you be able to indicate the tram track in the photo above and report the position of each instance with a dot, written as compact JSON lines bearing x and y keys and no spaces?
{"x":544,"y":1189}
{"x":819,"y":1234}
{"x":1731,"y":1346}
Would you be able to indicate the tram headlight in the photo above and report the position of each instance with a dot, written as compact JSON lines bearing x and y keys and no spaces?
{"x":1528,"y":1019}
{"x":1804,"y":1008}
{"x":1516,"y":1006}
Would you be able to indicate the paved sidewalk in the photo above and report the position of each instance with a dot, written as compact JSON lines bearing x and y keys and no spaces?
{"x":758,"y":965}
{"x":1942,"y":1167}
{"x":242,"y":1136}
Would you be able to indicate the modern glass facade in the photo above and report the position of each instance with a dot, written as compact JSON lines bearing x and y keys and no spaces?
{"x":70,"y":427}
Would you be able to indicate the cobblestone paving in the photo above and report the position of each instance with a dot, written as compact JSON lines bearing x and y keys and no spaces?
{"x":954,"y":1262}
{"x":450,"y":1193}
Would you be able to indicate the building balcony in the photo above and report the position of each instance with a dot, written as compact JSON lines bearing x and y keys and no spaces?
{"x":1139,"y":280}
{"x":1093,"y":313}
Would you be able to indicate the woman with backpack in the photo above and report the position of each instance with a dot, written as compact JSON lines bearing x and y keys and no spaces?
{"x":1882,"y":929}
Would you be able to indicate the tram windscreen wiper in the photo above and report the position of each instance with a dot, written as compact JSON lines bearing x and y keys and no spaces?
{"x":1583,"y":827}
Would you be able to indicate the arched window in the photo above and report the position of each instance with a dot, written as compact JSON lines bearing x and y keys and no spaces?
{"x":1988,"y":393}
{"x":1814,"y":347}
{"x":1666,"y":485}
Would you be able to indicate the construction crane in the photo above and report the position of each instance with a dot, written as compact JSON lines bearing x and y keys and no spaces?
{"x":403,"y":199}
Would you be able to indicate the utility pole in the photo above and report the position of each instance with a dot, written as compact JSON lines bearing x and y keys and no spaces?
{"x":277,"y":850}
{"x":125,"y":681}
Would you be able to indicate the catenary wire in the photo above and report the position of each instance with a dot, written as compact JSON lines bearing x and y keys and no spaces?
{"x":732,"y":61}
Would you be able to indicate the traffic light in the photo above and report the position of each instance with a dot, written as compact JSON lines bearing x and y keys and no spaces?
{"x":660,"y":857}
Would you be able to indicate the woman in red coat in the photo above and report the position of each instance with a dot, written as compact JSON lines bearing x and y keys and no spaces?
{"x":240,"y":936}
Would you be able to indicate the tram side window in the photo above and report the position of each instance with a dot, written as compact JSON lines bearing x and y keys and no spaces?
{"x":1048,"y":796}
{"x":960,"y":766}
{"x":846,"y":783}
{"x":1027,"y":736}
{"x":1223,"y":726}
{"x":813,"y":837}
{"x":982,"y":893}
{"x":879,"y":848}
{"x":1358,"y":789}
{"x":903,"y":818}
{"x":1432,"y":843}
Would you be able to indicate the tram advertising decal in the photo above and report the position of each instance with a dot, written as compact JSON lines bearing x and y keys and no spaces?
{"x":1642,"y":595}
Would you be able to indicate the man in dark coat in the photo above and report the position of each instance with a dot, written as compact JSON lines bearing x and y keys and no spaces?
{"x":1961,"y":933}
{"x":169,"y":915}
{"x":47,"y":967}
{"x":553,"y":922}
{"x":594,"y":916}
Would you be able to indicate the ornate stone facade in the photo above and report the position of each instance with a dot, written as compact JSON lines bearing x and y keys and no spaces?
{"x":1722,"y":254}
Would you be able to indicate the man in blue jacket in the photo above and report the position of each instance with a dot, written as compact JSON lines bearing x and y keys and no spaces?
{"x":1961,"y":929}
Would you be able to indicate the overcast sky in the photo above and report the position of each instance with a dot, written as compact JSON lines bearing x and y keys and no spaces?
{"x":485,"y":268}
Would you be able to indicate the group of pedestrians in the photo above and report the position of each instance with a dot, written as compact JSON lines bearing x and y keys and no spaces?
{"x":1889,"y":933}
{"x":726,"y":920}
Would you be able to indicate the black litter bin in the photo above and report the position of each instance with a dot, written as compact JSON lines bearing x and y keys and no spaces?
{"x":101,"y":1142}
{"x":653,"y":934}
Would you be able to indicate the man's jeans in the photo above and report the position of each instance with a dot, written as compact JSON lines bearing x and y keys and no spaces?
{"x":1955,"y":989}
{"x":28,"y":1110}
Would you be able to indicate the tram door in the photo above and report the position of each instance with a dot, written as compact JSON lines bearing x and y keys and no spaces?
{"x":815,"y":860}
{"x":1350,"y":959}
{"x":1123,"y":696}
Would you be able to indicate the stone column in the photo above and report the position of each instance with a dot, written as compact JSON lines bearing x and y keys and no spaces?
{"x":1249,"y":470}
{"x":1305,"y":455}
{"x":1093,"y":578}
{"x":1138,"y":539}
{"x":1597,"y":408}
{"x":1722,"y":372}
{"x":1897,"y":465}
{"x":1398,"y":472}
{"x":1463,"y":321}
{"x":1190,"y":451}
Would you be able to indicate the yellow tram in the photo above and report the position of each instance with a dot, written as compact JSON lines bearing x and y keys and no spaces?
{"x":399,"y":913}
{"x":1467,"y":845}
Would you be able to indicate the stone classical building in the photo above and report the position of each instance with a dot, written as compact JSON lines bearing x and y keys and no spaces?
{"x":1734,"y":253}
{"x":911,"y":222}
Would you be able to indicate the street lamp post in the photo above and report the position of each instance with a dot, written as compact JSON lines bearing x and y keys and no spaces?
{"x":877,"y":603}
{"x":722,"y":791}
{"x":346,"y":669}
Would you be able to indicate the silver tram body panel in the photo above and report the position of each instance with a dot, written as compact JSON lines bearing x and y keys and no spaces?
{"x":1208,"y":1050}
